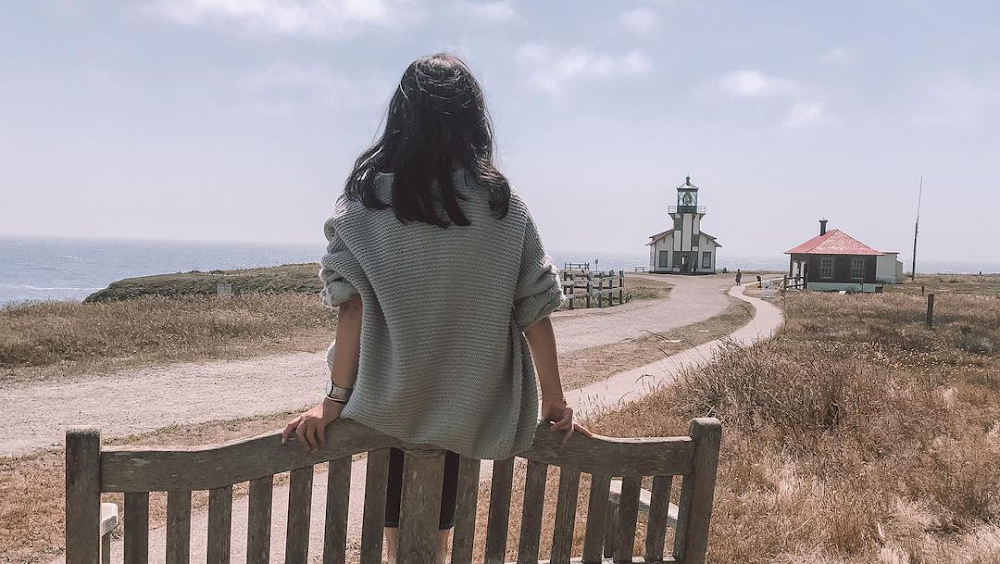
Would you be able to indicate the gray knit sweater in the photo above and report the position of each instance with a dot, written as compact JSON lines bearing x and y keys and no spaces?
{"x":443,"y":357}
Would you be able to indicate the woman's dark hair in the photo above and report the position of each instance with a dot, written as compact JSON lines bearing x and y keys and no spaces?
{"x":437,"y":122}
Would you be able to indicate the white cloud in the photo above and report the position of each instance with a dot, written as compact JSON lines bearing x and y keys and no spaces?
{"x":805,"y":114}
{"x":491,"y":11}
{"x":284,"y":87}
{"x":749,"y":83}
{"x":641,"y":21}
{"x":951,"y":100}
{"x":292,"y":17}
{"x":551,"y":71}
{"x":836,"y":55}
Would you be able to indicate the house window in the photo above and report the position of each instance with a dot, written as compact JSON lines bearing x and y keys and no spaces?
{"x":826,"y":267}
{"x":664,"y":259}
{"x":678,"y":223}
{"x":857,"y":268}
{"x":706,"y":259}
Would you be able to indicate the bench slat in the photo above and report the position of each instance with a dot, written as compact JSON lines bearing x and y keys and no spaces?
{"x":597,"y":511}
{"x":259,"y":520}
{"x":338,"y":495}
{"x":220,"y":525}
{"x":531,"y":512}
{"x":178,"y":527}
{"x":131,"y":468}
{"x":628,"y":514}
{"x":300,"y":483}
{"x":562,"y":536}
{"x":136,"y":528}
{"x":496,"y":527}
{"x":465,"y":511}
{"x":420,"y":506}
{"x":376,"y":477}
{"x":659,"y":510}
{"x":610,"y":530}
{"x":697,"y":492}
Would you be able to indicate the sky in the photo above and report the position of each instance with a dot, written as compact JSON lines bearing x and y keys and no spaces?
{"x":238,"y":120}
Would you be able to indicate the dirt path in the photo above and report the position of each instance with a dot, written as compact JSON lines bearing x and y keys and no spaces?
{"x":606,"y":394}
{"x":141,"y":400}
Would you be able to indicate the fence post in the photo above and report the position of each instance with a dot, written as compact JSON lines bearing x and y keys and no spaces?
{"x":621,"y":287}
{"x":590,"y":287}
{"x":921,"y":289}
{"x":83,"y":495}
{"x":930,"y":310}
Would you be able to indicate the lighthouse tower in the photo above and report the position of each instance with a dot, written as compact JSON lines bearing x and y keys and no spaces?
{"x":684,"y":249}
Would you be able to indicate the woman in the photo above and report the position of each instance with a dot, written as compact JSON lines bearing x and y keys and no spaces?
{"x":443,"y":289}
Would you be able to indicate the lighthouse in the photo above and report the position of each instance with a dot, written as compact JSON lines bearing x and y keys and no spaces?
{"x":684,"y":248}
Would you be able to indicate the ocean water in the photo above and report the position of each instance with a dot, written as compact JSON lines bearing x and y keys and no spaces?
{"x":72,"y":269}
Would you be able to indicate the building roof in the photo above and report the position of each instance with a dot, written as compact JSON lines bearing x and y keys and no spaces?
{"x":687,"y":184}
{"x":834,"y":242}
{"x":658,"y":236}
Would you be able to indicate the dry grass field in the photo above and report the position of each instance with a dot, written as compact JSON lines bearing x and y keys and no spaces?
{"x":856,"y":435}
{"x":44,"y":339}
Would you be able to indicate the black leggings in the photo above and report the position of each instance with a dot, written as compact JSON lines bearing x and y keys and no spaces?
{"x":394,"y":489}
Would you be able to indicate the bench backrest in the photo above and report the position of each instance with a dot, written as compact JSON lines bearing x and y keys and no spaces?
{"x":136,"y":471}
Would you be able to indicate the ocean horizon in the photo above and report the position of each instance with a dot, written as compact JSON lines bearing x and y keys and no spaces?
{"x":36,"y":268}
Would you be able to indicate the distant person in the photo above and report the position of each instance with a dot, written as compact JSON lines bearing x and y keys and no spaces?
{"x":739,"y":277}
{"x":760,"y":284}
{"x":419,"y":354}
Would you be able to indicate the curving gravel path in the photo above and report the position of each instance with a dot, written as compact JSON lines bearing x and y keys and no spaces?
{"x":146,"y":399}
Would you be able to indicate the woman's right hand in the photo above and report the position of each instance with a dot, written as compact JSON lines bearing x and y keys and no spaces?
{"x":560,"y":414}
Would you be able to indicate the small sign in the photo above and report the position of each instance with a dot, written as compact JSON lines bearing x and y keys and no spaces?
{"x":224,"y":289}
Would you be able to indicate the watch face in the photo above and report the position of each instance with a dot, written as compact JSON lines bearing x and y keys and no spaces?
{"x":329,"y":386}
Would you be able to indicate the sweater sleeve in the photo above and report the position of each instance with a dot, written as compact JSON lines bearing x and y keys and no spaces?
{"x":538,"y":292}
{"x":336,"y":288}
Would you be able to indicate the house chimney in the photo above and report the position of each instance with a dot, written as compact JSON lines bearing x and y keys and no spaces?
{"x":822,"y":227}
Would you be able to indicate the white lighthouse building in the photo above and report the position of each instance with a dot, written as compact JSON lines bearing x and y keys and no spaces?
{"x":684,"y":248}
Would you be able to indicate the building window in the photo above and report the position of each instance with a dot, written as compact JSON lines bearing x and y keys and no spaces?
{"x":858,"y":268}
{"x":678,"y":222}
{"x":664,"y":259}
{"x":826,"y":267}
{"x":706,"y":259}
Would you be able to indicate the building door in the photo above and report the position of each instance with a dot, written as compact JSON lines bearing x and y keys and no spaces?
{"x":685,"y":264}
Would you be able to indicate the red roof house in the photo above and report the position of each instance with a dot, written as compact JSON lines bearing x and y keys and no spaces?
{"x":833,"y":261}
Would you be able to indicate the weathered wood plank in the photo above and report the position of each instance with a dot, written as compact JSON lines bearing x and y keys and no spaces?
{"x":178,"y":527}
{"x":374,"y":513}
{"x":496,"y":527}
{"x":612,"y":456}
{"x":220,"y":525}
{"x":531,"y":512}
{"x":628,"y":514}
{"x":300,"y":483}
{"x":656,"y":524}
{"x":465,"y":511}
{"x":125,"y":469}
{"x":130,"y":468}
{"x":136,"y":528}
{"x":338,"y":494}
{"x":597,"y":511}
{"x":259,"y":520}
{"x":83,"y":495}
{"x":697,"y":493}
{"x":562,"y":535}
{"x":610,"y":529}
{"x":420,"y":506}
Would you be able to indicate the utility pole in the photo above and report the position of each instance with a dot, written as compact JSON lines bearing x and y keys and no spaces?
{"x":916,"y":229}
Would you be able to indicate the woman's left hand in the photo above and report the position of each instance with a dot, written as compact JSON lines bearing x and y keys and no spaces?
{"x":310,"y":427}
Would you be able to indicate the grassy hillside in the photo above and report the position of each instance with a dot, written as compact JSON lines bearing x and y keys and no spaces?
{"x":300,"y":278}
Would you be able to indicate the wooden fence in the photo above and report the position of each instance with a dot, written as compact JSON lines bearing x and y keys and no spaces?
{"x":594,"y":288}
{"x":136,"y":471}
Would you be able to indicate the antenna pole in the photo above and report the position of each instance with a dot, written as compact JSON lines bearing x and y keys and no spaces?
{"x":916,"y":229}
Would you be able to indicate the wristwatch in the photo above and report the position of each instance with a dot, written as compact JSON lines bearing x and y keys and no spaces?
{"x":336,"y":393}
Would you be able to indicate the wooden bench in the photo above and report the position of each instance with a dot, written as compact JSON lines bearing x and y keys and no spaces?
{"x":609,"y":528}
